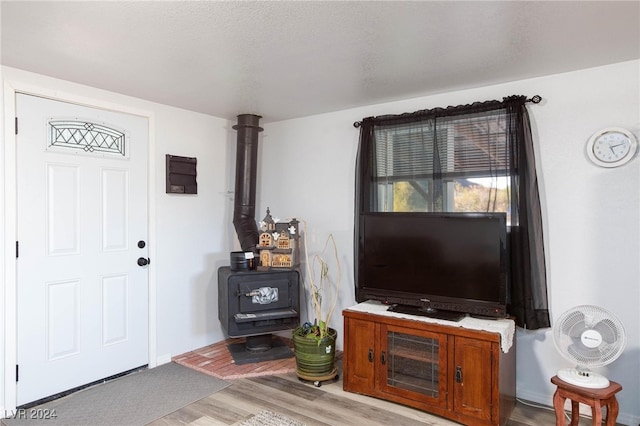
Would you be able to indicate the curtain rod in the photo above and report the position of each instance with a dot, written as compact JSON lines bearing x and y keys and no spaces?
{"x":535,"y":99}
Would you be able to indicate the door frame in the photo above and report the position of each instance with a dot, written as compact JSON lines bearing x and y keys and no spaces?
{"x":9,"y":298}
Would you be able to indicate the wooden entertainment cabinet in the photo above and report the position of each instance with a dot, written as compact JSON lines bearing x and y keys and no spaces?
{"x":456,"y":370}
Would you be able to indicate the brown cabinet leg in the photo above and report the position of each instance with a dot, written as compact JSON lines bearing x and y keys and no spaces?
{"x":612,"y":412}
{"x":558,"y":406}
{"x":596,"y":414}
{"x":575,"y":413}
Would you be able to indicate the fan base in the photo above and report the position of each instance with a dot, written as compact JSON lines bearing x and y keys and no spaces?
{"x":583,"y":378}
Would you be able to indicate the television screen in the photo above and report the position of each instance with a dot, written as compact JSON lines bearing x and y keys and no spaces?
{"x":450,"y":261}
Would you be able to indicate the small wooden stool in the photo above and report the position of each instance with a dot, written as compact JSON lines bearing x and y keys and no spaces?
{"x":595,"y":398}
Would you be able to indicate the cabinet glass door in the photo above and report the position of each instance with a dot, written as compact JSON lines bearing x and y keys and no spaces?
{"x":414,"y":363}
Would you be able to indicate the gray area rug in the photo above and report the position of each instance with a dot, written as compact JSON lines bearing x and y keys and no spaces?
{"x":136,"y":399}
{"x":269,"y":418}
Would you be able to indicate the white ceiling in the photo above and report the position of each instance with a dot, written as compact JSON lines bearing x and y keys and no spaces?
{"x":291,"y":59}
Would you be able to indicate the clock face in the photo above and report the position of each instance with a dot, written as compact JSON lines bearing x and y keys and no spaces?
{"x":611,"y":147}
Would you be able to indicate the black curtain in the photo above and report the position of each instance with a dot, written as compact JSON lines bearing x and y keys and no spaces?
{"x":529,"y":302}
{"x":527,"y":283}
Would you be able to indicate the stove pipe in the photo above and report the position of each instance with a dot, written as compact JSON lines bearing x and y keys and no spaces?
{"x":244,"y":208}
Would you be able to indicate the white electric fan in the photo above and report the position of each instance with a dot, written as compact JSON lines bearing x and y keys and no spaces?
{"x":591,"y":337}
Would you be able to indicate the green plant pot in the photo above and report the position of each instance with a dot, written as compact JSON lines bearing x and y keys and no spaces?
{"x":313,"y":358}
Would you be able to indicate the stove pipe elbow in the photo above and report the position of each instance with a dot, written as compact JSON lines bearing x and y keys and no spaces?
{"x":244,"y":208}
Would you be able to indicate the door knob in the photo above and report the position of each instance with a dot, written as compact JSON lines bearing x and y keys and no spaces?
{"x":143,"y":262}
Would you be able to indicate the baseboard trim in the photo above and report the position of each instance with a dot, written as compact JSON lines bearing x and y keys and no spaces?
{"x":163,"y":359}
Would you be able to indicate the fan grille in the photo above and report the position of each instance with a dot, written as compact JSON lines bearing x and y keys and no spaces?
{"x":589,"y":336}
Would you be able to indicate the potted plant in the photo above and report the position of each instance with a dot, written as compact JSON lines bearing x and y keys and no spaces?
{"x":315,"y":343}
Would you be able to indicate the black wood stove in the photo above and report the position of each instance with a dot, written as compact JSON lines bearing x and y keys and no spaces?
{"x":254,"y":304}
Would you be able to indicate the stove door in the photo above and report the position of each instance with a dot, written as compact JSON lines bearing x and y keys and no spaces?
{"x":258,"y":302}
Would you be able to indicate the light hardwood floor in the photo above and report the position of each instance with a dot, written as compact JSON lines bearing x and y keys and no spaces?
{"x":324,"y":405}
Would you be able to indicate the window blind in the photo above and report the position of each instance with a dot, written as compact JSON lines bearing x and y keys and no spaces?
{"x":469,"y":145}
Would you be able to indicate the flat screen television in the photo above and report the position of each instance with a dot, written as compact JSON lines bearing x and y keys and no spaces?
{"x":442,"y":265}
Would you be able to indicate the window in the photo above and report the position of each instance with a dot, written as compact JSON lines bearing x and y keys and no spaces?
{"x":451,"y":164}
{"x":467,"y":158}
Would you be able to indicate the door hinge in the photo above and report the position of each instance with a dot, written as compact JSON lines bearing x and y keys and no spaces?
{"x":17,"y":372}
{"x":16,"y":125}
{"x":17,"y":249}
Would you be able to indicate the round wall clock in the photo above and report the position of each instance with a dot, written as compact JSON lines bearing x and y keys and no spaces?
{"x":612,"y":147}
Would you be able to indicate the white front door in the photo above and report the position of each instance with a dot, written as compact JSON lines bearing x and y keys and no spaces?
{"x":82,"y":297}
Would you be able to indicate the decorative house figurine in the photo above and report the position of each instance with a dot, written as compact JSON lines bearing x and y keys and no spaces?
{"x":278,"y":243}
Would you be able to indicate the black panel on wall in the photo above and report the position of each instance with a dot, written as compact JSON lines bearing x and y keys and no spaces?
{"x":181,"y":175}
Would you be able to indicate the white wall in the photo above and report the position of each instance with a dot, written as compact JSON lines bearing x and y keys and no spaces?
{"x":591,"y":214}
{"x":192,"y":234}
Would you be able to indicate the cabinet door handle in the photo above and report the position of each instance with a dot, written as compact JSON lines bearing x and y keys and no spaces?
{"x":458,"y":374}
{"x":383,"y":357}
{"x":370,"y":355}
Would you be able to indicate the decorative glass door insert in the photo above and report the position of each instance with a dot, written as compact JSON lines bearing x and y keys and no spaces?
{"x":413,"y":363}
{"x":87,"y":137}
